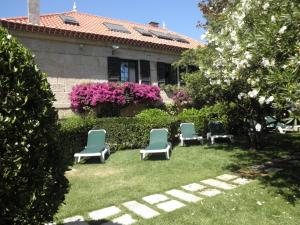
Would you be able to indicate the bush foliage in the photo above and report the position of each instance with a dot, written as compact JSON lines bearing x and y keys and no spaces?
{"x":122,"y":133}
{"x":86,"y":96}
{"x":32,"y":182}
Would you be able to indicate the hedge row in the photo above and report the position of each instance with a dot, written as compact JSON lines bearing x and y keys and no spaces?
{"x":133,"y":132}
{"x":122,"y":132}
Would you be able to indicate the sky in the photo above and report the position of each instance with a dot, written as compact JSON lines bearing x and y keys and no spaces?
{"x":180,"y":16}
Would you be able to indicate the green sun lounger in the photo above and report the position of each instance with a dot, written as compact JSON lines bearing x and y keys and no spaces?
{"x":188,"y":133}
{"x":95,"y":146}
{"x":217,"y":130}
{"x":275,"y":124}
{"x":158,"y":143}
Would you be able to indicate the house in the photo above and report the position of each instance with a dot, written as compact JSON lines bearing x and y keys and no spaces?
{"x":75,"y":47}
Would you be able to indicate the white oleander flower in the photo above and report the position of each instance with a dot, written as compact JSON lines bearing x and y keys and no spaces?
{"x":282,"y":30}
{"x":253,"y":93}
{"x":266,"y":6}
{"x":270,"y":99}
{"x":265,"y":62}
{"x":258,"y":127}
{"x":9,"y":36}
{"x":273,"y":19}
{"x":220,"y":49}
{"x":261,"y":100}
{"x":248,"y":55}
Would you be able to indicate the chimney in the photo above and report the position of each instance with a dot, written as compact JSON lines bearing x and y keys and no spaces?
{"x":34,"y":12}
{"x":154,"y":24}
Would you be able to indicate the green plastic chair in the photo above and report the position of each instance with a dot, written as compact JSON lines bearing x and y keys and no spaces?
{"x":188,"y":133}
{"x":158,"y":143}
{"x":95,"y":146}
{"x":217,"y":130}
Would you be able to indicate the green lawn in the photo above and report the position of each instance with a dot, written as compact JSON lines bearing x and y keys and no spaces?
{"x":270,"y":199}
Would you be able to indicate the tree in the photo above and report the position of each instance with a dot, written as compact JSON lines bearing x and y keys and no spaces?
{"x":254,"y":49}
{"x":32,"y":182}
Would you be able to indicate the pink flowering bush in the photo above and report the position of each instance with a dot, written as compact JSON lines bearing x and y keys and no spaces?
{"x":181,"y":98}
{"x":86,"y":96}
{"x":142,"y":93}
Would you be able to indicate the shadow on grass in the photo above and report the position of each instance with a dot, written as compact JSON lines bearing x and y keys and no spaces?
{"x":277,"y":165}
{"x":91,"y":222}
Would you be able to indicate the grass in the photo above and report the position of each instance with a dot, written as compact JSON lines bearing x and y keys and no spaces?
{"x":270,"y":199}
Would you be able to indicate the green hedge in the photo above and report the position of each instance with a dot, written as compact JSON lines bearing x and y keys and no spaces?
{"x":203,"y":116}
{"x":122,"y":132}
{"x":133,"y":132}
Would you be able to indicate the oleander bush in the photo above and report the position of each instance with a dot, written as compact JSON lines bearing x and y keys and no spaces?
{"x":32,"y":182}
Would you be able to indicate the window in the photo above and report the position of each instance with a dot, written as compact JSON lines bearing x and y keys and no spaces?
{"x":178,"y":38}
{"x":166,"y":74}
{"x":161,"y":35}
{"x":69,"y":20}
{"x":145,"y":72}
{"x":116,"y":27}
{"x":143,"y":32}
{"x":122,"y":70}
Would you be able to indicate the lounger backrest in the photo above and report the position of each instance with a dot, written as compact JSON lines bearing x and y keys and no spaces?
{"x":216,"y":128}
{"x":159,"y":136}
{"x":96,"y":138}
{"x":270,"y":121}
{"x":187,"y":129}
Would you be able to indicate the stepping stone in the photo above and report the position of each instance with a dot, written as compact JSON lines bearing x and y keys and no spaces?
{"x":140,"y":209}
{"x":122,"y":220}
{"x":227,"y":177}
{"x":104,"y":213}
{"x":170,"y":206}
{"x":241,"y":181}
{"x":210,"y":192}
{"x":153,"y":199}
{"x":193,"y":187}
{"x":183,"y":195}
{"x":218,"y":184}
{"x":75,"y":220}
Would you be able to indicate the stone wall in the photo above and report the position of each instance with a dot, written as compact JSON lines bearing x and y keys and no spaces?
{"x":72,"y":61}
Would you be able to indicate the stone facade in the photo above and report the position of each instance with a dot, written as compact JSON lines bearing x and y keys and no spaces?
{"x":72,"y":61}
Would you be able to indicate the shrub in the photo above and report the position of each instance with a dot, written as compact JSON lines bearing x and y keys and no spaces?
{"x":203,"y":116}
{"x":122,"y":133}
{"x":142,"y":93}
{"x":154,"y":115}
{"x":182,"y":98}
{"x":87,"y":96}
{"x":32,"y":184}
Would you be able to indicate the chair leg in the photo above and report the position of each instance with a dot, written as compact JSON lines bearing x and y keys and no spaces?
{"x":212,"y":140}
{"x":181,"y":142}
{"x":141,"y":156}
{"x":167,"y":155}
{"x":102,"y":159}
{"x":78,"y":159}
{"x":75,"y":160}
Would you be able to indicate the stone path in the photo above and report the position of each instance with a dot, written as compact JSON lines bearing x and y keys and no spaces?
{"x":153,"y":205}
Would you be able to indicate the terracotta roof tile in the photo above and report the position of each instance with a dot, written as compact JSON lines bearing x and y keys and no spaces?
{"x":92,"y":27}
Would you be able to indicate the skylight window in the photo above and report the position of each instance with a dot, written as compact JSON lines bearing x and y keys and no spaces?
{"x":161,"y":35}
{"x":116,"y":27}
{"x":178,"y":38}
{"x":143,"y":32}
{"x":69,"y":20}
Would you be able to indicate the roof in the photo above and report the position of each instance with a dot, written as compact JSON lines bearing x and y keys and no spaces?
{"x":93,"y":27}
